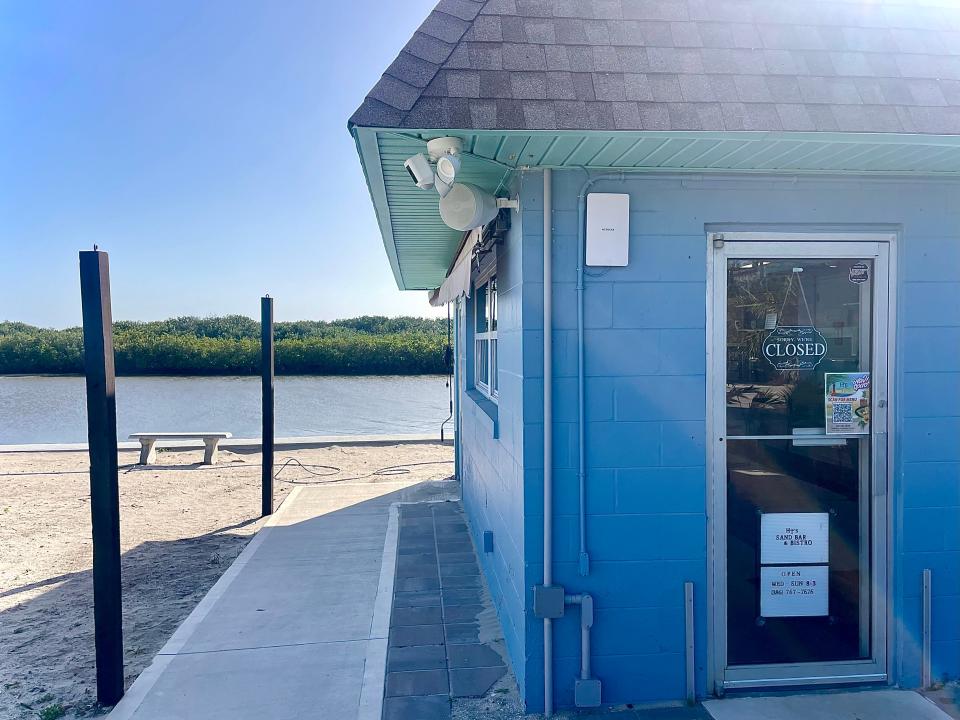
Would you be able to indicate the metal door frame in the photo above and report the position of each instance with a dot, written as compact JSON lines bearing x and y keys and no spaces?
{"x":881,"y":247}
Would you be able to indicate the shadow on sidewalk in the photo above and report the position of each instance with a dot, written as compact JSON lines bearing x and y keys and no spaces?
{"x":47,"y":641}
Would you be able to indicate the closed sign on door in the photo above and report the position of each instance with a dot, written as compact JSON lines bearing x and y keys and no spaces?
{"x":800,"y":347}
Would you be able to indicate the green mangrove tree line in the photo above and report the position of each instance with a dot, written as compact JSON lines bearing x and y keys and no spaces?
{"x":230,"y":345}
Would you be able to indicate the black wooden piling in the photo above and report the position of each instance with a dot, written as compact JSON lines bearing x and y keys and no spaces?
{"x":267,"y":375}
{"x":104,"y":489}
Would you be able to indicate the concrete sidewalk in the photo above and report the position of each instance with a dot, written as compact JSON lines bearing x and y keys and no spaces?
{"x":298,"y":626}
{"x":879,"y":704}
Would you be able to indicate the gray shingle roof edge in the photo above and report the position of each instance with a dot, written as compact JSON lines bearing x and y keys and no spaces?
{"x":709,"y":65}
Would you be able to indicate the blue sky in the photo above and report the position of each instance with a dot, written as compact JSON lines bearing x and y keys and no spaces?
{"x":203,"y":145}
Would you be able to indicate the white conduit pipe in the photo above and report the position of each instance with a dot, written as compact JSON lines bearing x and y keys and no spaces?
{"x":585,"y":602}
{"x":547,"y":432}
{"x":584,"y":560}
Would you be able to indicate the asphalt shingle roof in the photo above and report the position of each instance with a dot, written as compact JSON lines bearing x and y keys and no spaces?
{"x":712,"y":65}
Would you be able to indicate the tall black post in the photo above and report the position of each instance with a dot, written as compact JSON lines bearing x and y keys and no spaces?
{"x":266,"y":369}
{"x":104,"y":488}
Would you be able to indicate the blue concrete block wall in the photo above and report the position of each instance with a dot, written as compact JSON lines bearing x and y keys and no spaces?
{"x":645,"y":389}
{"x":645,"y":365}
{"x":492,"y":452}
{"x":645,"y":408}
{"x":929,"y":419}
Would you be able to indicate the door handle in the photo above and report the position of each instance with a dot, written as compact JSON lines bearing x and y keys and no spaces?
{"x":880,"y":479}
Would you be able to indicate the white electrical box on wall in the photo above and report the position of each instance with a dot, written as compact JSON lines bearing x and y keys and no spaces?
{"x":608,"y":229}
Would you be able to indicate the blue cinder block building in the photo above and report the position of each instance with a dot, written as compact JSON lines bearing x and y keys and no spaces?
{"x":704,"y":260}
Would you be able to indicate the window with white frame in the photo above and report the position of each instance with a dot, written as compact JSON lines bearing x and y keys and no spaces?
{"x":485,"y":338}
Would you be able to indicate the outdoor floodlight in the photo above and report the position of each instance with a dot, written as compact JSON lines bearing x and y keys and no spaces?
{"x":447,"y":168}
{"x":443,"y":187}
{"x":467,"y":207}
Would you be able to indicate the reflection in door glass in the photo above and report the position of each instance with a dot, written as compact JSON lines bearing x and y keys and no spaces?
{"x":789,"y":321}
{"x":798,"y":524}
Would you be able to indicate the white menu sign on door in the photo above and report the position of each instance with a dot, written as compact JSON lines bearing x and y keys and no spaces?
{"x":802,"y":538}
{"x":794,"y":591}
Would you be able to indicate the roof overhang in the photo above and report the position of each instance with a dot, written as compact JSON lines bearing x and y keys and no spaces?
{"x":420,"y":247}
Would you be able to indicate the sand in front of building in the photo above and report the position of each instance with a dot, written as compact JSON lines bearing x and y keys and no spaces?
{"x":182,"y":524}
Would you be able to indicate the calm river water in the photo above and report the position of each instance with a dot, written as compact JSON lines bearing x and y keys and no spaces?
{"x":42,"y":409}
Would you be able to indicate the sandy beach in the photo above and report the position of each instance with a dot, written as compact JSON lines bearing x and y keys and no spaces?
{"x":182,"y":524}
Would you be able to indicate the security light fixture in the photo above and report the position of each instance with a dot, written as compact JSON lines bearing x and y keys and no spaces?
{"x":445,"y":152}
{"x":447,"y":168}
{"x":442,"y":152}
{"x":443,"y":187}
{"x":462,"y":206}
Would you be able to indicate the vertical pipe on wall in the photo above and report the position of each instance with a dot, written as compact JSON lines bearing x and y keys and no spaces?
{"x":584,"y":560}
{"x":691,"y":667}
{"x":584,"y":651}
{"x":585,"y":601}
{"x":547,"y":432}
{"x":925,"y":658}
{"x":586,"y":689}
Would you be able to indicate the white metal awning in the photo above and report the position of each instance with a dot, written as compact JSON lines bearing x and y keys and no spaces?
{"x":457,"y":283}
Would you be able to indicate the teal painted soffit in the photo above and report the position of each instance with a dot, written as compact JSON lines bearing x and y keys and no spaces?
{"x":420,"y":247}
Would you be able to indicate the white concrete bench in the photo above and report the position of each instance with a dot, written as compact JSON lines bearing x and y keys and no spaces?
{"x":148,"y":444}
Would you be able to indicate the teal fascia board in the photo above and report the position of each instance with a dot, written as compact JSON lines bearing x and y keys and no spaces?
{"x":669,"y":152}
{"x":369,"y":152}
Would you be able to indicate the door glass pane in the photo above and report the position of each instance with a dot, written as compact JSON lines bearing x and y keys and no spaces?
{"x":790,"y":321}
{"x":814,"y":532}
{"x":798,"y":509}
